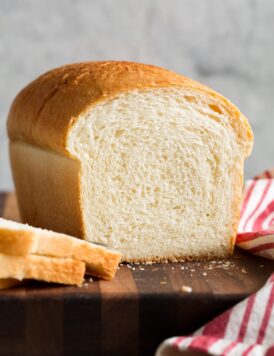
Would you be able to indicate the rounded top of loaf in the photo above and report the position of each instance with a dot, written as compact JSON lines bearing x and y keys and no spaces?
{"x":45,"y":110}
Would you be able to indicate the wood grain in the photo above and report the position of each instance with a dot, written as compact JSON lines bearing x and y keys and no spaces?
{"x":43,"y":321}
{"x":130,"y":315}
{"x":119,"y":303}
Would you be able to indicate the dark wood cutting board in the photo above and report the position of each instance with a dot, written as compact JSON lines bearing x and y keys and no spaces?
{"x":131,"y":315}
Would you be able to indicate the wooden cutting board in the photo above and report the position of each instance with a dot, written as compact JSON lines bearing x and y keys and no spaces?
{"x":131,"y":315}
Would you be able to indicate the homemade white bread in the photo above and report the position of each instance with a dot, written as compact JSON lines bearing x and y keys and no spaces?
{"x":48,"y":269}
{"x":133,"y":156}
{"x":20,"y":239}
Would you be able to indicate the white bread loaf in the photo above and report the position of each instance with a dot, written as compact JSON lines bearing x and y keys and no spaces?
{"x":133,"y":156}
{"x":21,"y":239}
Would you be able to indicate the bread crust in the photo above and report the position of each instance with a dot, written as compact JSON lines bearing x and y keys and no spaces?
{"x":179,"y":258}
{"x":16,"y":242}
{"x":44,"y":112}
{"x":40,"y":177}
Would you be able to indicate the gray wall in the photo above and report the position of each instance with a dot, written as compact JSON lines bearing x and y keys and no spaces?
{"x":226,"y":44}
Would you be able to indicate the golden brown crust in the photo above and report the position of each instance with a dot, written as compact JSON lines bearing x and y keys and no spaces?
{"x":43,"y":112}
{"x":14,"y":242}
{"x":40,"y":177}
{"x":100,"y":261}
{"x":180,"y":258}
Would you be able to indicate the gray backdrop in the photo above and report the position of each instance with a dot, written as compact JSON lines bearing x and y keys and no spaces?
{"x":226,"y":44}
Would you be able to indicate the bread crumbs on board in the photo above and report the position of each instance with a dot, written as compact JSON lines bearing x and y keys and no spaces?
{"x":186,"y":289}
{"x":191,"y":267}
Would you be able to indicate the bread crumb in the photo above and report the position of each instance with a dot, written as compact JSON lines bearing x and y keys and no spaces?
{"x":226,"y":265}
{"x":131,"y":267}
{"x":186,"y":289}
{"x":244,"y":270}
{"x":163,"y":282}
{"x":204,"y":274}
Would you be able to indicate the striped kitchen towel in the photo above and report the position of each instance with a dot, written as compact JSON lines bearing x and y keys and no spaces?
{"x":247,"y":329}
{"x":256,"y":228}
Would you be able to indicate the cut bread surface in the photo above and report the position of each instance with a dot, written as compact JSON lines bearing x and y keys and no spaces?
{"x":48,"y":269}
{"x":21,"y":239}
{"x":151,"y":161}
{"x":161,"y":175}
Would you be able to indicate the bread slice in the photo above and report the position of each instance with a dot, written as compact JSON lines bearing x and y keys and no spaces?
{"x":48,"y":269}
{"x":133,"y":156}
{"x":21,"y":239}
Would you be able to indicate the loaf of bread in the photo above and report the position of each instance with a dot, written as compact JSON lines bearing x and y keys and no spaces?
{"x":19,"y":239}
{"x":133,"y":156}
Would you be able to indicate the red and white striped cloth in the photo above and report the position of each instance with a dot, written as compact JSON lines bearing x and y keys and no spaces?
{"x":256,"y":228}
{"x":247,"y":329}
